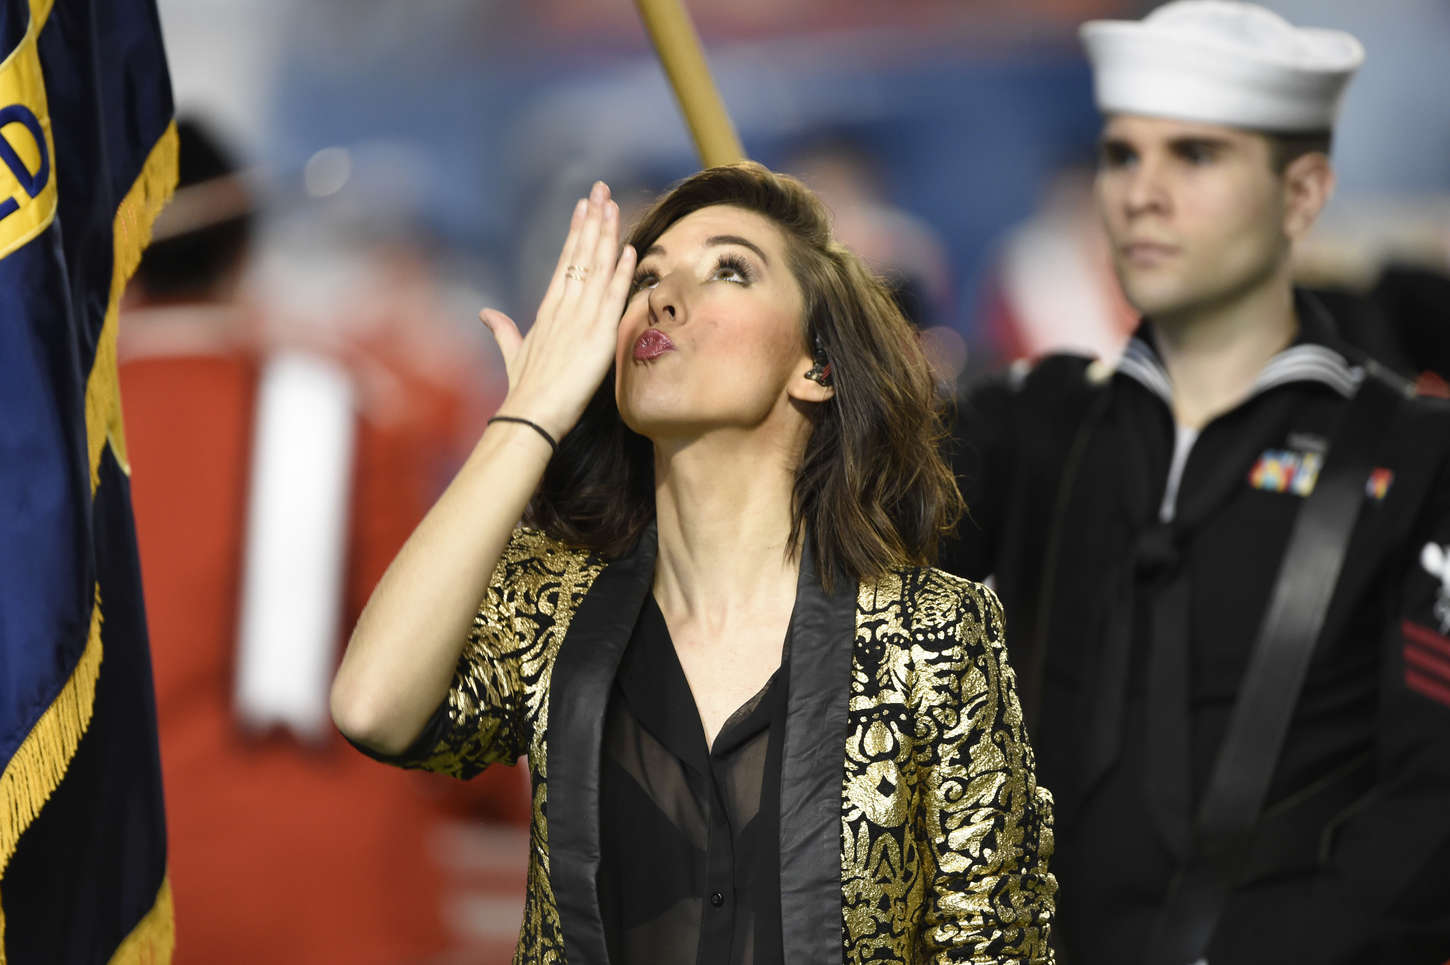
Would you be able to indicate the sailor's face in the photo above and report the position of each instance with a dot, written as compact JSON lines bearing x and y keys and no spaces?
{"x":1194,"y":212}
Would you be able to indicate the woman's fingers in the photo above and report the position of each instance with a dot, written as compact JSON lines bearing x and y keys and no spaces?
{"x":554,"y":370}
{"x":555,"y":291}
{"x":587,"y":255}
{"x":612,"y":307}
{"x":605,"y":253}
{"x":505,"y":333}
{"x":581,"y":265}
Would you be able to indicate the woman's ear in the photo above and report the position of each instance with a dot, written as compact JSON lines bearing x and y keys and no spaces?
{"x":812,"y":385}
{"x":817,"y":383}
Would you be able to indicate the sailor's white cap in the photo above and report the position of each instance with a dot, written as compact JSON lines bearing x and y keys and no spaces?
{"x":1221,"y":62}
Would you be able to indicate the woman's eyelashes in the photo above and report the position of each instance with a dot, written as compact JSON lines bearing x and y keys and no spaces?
{"x":731,"y":268}
{"x":643,"y":278}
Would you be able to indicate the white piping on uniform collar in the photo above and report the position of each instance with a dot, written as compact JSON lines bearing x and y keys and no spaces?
{"x":1140,"y":363}
{"x":1304,"y":362}
{"x":1310,"y":362}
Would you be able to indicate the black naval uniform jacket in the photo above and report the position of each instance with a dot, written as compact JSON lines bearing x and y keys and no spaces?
{"x":1078,"y":506}
{"x":911,"y":828}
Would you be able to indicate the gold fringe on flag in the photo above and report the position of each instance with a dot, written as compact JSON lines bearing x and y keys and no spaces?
{"x":36,"y":768}
{"x":153,"y":939}
{"x":132,"y":232}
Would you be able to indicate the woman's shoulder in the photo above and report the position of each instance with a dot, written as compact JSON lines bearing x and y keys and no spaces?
{"x":530,"y":542}
{"x":934,"y":598}
{"x":533,"y":553}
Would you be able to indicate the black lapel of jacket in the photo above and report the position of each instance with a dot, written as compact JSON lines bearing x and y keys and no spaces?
{"x":823,"y":631}
{"x":578,"y":696}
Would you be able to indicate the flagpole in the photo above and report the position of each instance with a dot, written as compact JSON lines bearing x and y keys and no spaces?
{"x":678,"y":47}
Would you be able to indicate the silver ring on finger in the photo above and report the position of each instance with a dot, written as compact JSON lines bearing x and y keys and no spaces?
{"x":576,"y":272}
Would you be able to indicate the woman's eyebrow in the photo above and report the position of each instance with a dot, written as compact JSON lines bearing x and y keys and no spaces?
{"x":714,"y":241}
{"x":736,"y":240}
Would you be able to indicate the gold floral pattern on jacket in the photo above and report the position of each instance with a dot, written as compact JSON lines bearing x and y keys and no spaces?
{"x":945,"y":835}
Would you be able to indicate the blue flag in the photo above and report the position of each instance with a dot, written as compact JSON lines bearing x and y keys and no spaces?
{"x":87,"y":159}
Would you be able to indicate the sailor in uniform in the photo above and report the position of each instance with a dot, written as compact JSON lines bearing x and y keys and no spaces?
{"x":1225,"y":556}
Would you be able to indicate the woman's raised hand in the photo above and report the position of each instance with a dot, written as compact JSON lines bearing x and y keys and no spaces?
{"x":406,"y":646}
{"x":554,"y":370}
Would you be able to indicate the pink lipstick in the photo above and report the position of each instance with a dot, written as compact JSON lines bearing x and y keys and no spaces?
{"x":651,"y":345}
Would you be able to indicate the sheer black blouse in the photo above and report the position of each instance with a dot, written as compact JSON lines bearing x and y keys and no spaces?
{"x":689,"y":834}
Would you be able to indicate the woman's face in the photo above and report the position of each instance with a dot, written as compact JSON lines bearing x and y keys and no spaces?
{"x":712,"y":333}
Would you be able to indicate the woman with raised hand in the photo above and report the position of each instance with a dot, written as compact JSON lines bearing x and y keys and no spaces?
{"x":760,"y":728}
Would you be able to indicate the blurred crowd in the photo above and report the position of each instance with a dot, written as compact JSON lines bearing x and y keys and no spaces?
{"x":302,"y":369}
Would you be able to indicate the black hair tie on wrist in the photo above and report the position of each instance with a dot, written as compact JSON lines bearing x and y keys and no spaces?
{"x":553,"y":446}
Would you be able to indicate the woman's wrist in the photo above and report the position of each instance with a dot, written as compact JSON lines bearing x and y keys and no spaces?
{"x":529,"y":424}
{"x":507,"y":436}
{"x":538,"y":411}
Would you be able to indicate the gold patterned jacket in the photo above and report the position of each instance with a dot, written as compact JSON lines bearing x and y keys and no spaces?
{"x":912,"y":828}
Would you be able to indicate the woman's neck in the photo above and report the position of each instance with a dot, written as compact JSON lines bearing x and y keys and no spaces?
{"x":723,"y":509}
{"x":1214,"y":354}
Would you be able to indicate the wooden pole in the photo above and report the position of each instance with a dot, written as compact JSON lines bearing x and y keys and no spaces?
{"x":678,"y":47}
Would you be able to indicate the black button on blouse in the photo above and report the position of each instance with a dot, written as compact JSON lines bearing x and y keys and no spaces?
{"x":690,"y":863}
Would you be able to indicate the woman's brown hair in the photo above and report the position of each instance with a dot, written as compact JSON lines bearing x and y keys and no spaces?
{"x":872,"y":491}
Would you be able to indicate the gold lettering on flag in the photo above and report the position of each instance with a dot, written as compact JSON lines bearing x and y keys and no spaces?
{"x":27,"y":150}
